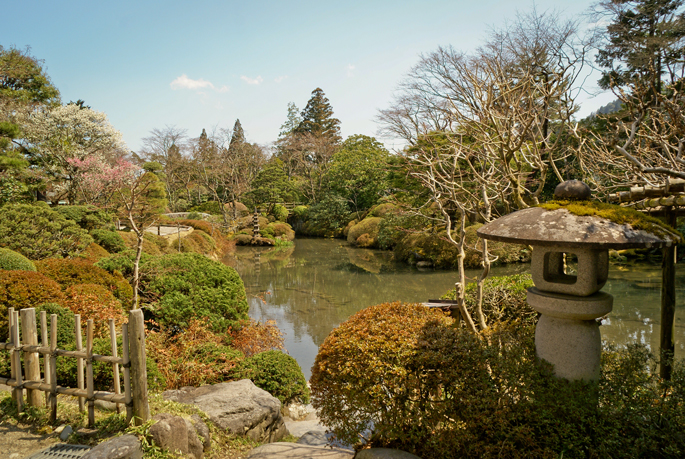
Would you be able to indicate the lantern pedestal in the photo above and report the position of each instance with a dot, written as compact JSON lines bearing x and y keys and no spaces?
{"x":567,"y":334}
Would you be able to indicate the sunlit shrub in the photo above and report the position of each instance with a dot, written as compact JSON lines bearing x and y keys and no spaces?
{"x":368,"y":226}
{"x":79,"y":271}
{"x":381,"y":210}
{"x":13,"y":261}
{"x":95,"y":302}
{"x":282,"y":230}
{"x":278,"y":374}
{"x":94,"y":253}
{"x":109,"y":240}
{"x":190,"y":285}
{"x":25,"y":289}
{"x":88,"y":217}
{"x":38,"y":232}
{"x":439,"y":391}
{"x":300,"y":211}
{"x":280,"y":213}
{"x":251,"y":337}
{"x":504,"y":299}
{"x":193,"y":356}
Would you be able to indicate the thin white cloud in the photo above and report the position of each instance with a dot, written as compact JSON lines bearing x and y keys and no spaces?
{"x":350,"y":70}
{"x":183,"y":82}
{"x":249,"y":80}
{"x":280,"y":78}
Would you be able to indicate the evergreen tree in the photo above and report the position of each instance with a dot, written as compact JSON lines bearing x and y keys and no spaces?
{"x":237,"y":138}
{"x":643,"y":44}
{"x":317,"y":118}
{"x":292,"y":122}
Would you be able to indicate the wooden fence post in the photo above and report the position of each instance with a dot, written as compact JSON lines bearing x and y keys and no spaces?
{"x":115,"y":366}
{"x":15,"y":358}
{"x":141,"y":409}
{"x":46,"y":359}
{"x":53,"y":368}
{"x":29,"y":334}
{"x":79,"y":361}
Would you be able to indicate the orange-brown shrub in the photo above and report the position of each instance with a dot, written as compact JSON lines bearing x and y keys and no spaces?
{"x":95,"y":302}
{"x":201,"y":225}
{"x":80,"y":271}
{"x":25,"y":289}
{"x":252,"y":337}
{"x":193,"y":357}
{"x":94,"y":253}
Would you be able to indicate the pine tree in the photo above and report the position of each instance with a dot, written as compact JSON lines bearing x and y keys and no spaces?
{"x":317,"y":118}
{"x":643,"y":42}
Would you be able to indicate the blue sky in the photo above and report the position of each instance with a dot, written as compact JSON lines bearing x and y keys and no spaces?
{"x":148,"y":64}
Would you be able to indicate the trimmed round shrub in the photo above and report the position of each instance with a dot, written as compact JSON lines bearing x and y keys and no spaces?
{"x":38,"y":232}
{"x":190,"y":285}
{"x":14,"y":261}
{"x":88,"y":217}
{"x":277,"y":373}
{"x":368,"y":226}
{"x":381,"y":210}
{"x":363,"y":361}
{"x":282,"y":230}
{"x":109,"y":240}
{"x":25,"y":289}
{"x":94,"y":253}
{"x":300,"y":211}
{"x":79,"y":271}
{"x":280,"y":213}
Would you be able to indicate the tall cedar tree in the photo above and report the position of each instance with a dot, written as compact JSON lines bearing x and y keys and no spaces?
{"x":643,"y":41}
{"x":317,"y":118}
{"x":237,"y":138}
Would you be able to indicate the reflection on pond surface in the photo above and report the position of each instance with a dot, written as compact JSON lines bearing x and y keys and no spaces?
{"x":311,"y":288}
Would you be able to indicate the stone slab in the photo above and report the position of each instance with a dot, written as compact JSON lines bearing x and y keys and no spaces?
{"x":282,"y":450}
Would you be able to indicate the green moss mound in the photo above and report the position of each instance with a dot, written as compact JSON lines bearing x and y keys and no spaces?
{"x":13,"y":261}
{"x":617,"y":214}
{"x":278,"y":374}
{"x":368,"y":226}
{"x":435,"y":247}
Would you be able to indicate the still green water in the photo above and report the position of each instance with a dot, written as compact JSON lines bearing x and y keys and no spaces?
{"x":309,"y":289}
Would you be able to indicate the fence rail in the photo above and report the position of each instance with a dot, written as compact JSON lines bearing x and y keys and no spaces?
{"x":25,"y":342}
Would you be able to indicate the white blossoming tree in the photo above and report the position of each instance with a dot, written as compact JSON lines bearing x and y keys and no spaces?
{"x":58,"y":136}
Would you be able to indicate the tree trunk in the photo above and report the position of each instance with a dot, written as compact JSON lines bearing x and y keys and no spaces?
{"x":667,"y":343}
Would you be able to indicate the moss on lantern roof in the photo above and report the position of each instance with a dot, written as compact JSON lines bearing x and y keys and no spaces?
{"x":617,"y":214}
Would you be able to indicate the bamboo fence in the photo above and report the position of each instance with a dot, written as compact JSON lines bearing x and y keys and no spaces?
{"x":23,"y":341}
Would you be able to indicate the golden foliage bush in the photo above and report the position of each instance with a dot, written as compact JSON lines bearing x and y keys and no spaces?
{"x":368,"y":226}
{"x":193,"y":356}
{"x":252,"y":337}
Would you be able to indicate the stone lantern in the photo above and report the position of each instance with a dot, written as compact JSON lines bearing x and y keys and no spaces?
{"x":567,"y":334}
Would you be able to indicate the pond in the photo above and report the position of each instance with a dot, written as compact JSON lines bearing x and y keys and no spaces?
{"x":309,"y":289}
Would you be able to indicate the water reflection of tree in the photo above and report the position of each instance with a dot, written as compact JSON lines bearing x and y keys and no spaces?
{"x":637,"y":307}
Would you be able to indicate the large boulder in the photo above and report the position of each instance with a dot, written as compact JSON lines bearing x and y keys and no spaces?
{"x":172,"y":433}
{"x":124,"y":447}
{"x":239,"y":407}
